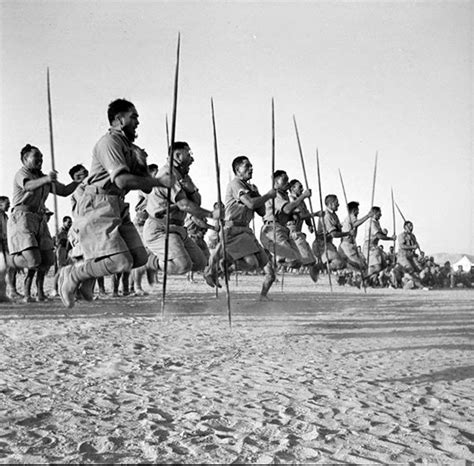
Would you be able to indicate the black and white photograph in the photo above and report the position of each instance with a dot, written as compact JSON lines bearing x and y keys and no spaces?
{"x":236,"y":232}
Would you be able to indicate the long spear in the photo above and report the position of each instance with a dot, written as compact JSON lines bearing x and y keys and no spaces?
{"x":351,"y":227}
{"x":51,"y":145}
{"x":167,"y":133}
{"x":171,"y":162}
{"x":323,"y":220}
{"x":273,"y":187}
{"x":221,"y":219}
{"x":400,"y":212}
{"x":393,"y":218}
{"x":311,"y":211}
{"x":371,"y":205}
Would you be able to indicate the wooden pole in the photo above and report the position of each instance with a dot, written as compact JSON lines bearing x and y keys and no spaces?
{"x":273,"y":187}
{"x":51,"y":145}
{"x":221,"y":219}
{"x":171,"y":162}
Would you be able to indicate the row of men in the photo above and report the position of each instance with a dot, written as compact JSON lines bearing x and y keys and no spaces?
{"x":110,"y":243}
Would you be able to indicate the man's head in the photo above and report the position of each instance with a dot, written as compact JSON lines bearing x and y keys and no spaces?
{"x":67,"y":222}
{"x":153,"y":169}
{"x":331,"y":201}
{"x":408,"y":226}
{"x":4,"y":204}
{"x":377,"y":212}
{"x":31,"y":157}
{"x":78,"y":173}
{"x":242,"y":168}
{"x":123,"y":115}
{"x":182,"y":156}
{"x":281,"y":180}
{"x":353,"y":208}
{"x":296,"y":187}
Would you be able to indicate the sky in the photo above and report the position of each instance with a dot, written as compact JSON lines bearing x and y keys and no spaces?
{"x":393,"y":78}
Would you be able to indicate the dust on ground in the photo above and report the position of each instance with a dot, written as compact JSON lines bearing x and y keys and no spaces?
{"x":310,"y":377}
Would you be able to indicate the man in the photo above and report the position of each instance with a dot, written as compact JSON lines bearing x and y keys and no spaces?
{"x":407,"y":245}
{"x":5,"y":261}
{"x":108,"y":238}
{"x":29,"y":239}
{"x":348,"y":247}
{"x":333,"y":229}
{"x":376,"y":261}
{"x":299,"y":216}
{"x":183,"y":253}
{"x":242,"y":199}
{"x":287,"y":251}
{"x":63,"y":246}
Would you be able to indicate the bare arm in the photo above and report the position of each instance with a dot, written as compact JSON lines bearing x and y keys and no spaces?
{"x":65,"y":190}
{"x":143,"y":183}
{"x":255,"y":203}
{"x":31,"y":185}
{"x":291,"y":206}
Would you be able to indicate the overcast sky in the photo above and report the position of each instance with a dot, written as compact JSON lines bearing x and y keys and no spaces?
{"x":361,"y":77}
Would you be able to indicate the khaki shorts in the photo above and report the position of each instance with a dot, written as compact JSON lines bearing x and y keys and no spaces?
{"x":179,"y":244}
{"x":241,"y":242}
{"x":306,"y":253}
{"x":28,"y":230}
{"x":285,"y":247}
{"x":350,"y":254}
{"x":104,"y":225}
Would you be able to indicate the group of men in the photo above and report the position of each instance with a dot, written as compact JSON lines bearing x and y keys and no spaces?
{"x":100,"y":239}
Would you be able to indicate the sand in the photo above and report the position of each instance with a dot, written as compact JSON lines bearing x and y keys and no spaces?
{"x":311,"y":377}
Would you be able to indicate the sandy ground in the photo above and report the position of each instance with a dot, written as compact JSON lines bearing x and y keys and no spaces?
{"x":310,"y":377}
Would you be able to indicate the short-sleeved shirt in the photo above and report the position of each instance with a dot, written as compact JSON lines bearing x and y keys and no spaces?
{"x":331,"y":223}
{"x":373,"y":226}
{"x":299,"y":214}
{"x":348,"y":225}
{"x":235,"y":210}
{"x":36,"y":199}
{"x":193,"y":228}
{"x":157,"y":199}
{"x":281,"y":200}
{"x":113,"y":155}
{"x":406,"y":239}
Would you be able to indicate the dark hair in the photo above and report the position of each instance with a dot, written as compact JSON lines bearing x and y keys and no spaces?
{"x":179,"y":145}
{"x":353,"y":205}
{"x":116,"y":107}
{"x":66,"y":218}
{"x":75,"y":169}
{"x":4,"y":198}
{"x":152,"y":167}
{"x":26,"y":150}
{"x":329,"y":198}
{"x":279,"y":173}
{"x":376,"y":209}
{"x":293,"y":182}
{"x":406,"y":223}
{"x":237,"y":162}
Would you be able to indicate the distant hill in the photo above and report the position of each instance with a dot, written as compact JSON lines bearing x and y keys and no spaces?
{"x":442,"y":257}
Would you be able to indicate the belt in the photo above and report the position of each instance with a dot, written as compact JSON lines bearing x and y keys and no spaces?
{"x":27,"y":208}
{"x":97,"y":190}
{"x":231,"y":223}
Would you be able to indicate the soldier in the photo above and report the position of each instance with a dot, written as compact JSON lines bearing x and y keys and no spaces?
{"x":333,"y":230}
{"x":29,"y":239}
{"x":407,"y":245}
{"x":244,"y":251}
{"x":108,"y":238}
{"x":5,"y":261}
{"x":376,"y":260}
{"x":183,"y":253}
{"x":299,"y":216}
{"x":348,"y":247}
